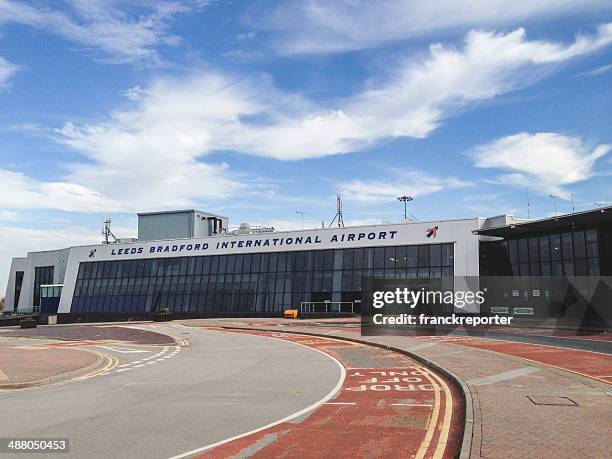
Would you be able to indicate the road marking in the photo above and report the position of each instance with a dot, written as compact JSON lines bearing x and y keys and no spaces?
{"x":315,"y":405}
{"x":123,"y":351}
{"x":432,"y":425}
{"x":505,"y":376}
{"x":448,"y":410}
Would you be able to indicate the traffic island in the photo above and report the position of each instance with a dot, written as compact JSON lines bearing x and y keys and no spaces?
{"x":33,"y":366}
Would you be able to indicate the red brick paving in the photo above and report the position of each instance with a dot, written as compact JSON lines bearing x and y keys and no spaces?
{"x":506,"y":424}
{"x":93,"y":332}
{"x":23,"y":366}
{"x":590,"y":364}
{"x":375,"y":426}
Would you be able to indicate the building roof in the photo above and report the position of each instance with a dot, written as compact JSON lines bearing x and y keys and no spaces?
{"x":577,"y":220}
{"x":181,"y":211}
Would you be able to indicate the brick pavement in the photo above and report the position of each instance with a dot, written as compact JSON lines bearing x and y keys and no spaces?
{"x":92,"y":332}
{"x":515,"y":409}
{"x":26,"y":366}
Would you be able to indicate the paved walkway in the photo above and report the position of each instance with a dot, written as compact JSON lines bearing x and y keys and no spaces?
{"x":92,"y":332}
{"x":515,"y":408}
{"x":27,"y":366}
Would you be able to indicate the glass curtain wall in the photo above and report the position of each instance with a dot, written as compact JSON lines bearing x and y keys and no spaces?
{"x":249,"y":283}
{"x":561,"y":254}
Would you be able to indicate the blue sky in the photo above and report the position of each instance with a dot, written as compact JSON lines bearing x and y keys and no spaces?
{"x":260,"y":109}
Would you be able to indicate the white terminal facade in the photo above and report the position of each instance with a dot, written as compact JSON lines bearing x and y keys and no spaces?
{"x":187,"y":261}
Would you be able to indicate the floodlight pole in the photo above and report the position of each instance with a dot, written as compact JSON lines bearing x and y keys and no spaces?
{"x":405,"y":198}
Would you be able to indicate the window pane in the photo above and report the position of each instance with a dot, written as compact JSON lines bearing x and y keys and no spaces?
{"x":523,"y":251}
{"x":448,"y":255}
{"x":567,"y":246}
{"x":423,"y":251}
{"x":544,"y":248}
{"x":555,"y":246}
{"x":347,"y":259}
{"x":534,"y":251}
{"x":379,"y":257}
{"x":390,"y":261}
{"x":435,"y":255}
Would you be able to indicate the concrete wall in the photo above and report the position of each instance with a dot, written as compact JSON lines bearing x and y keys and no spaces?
{"x":165,"y":226}
{"x":181,"y":224}
{"x":17,"y":264}
{"x":56,"y":258}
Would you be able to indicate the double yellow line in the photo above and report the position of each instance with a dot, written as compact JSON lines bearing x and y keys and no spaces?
{"x":433,"y":420}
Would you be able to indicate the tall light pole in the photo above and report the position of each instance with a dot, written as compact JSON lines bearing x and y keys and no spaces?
{"x":301,"y":214}
{"x":405,"y":198}
{"x":554,"y":198}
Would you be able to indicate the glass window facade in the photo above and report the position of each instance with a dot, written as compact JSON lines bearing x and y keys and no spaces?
{"x":18,"y":284}
{"x":249,"y":283}
{"x":572,"y":253}
{"x":42,"y":275}
{"x":50,"y":291}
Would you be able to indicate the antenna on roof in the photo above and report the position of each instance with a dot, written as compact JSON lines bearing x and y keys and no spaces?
{"x":338,"y":213}
{"x":107,"y":233}
{"x":554,"y":197}
{"x":602,"y":204}
{"x":528,"y":206}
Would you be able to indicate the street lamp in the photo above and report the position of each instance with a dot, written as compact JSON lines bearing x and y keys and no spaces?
{"x":405,"y":198}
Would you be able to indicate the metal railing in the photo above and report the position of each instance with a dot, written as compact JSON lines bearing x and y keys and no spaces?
{"x":327,"y":307}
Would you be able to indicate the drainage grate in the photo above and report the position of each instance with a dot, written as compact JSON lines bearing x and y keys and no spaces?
{"x":551,"y":401}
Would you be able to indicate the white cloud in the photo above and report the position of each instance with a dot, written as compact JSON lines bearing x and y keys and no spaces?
{"x":123,"y":35}
{"x":412,"y":183}
{"x":598,"y":71}
{"x":7,"y":70}
{"x":151,"y":156}
{"x":296,"y":224}
{"x":21,"y":192}
{"x":321,"y":26}
{"x":544,"y":161}
{"x":134,"y":93}
{"x":412,"y":101}
{"x":24,"y":240}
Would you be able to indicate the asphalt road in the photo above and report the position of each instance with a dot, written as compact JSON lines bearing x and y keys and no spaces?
{"x":220,"y":386}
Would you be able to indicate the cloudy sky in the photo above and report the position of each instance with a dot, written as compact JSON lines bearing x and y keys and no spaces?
{"x":260,"y":109}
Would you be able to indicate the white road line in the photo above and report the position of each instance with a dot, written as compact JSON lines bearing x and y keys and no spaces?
{"x":285,"y":419}
{"x":123,"y":350}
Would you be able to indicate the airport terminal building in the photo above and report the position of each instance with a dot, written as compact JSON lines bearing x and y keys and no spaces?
{"x":188,"y":261}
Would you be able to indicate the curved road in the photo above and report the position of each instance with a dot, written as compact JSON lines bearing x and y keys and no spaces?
{"x":220,"y":386}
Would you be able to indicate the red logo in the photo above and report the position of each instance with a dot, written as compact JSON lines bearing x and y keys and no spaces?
{"x":432,"y":232}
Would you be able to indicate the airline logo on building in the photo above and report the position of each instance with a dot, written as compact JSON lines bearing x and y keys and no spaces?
{"x":432,"y":232}
{"x":92,"y":253}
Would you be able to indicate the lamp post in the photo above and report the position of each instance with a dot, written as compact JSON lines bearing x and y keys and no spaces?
{"x":301,"y":214}
{"x":405,"y":198}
